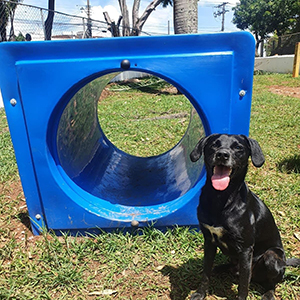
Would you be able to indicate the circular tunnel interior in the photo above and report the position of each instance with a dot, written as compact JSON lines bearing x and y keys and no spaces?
{"x":96,"y":165}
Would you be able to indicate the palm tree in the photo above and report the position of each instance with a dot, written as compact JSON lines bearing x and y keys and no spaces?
{"x":185,"y":16}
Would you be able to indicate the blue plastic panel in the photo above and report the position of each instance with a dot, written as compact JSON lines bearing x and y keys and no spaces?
{"x":73,"y":177}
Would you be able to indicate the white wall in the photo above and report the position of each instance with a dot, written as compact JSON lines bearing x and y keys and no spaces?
{"x":275,"y":64}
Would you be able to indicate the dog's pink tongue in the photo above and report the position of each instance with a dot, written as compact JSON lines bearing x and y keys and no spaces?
{"x":220,"y":179}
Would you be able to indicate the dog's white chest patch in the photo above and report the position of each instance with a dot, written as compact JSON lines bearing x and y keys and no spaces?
{"x":217,"y":234}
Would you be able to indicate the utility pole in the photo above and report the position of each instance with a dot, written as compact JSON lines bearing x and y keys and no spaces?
{"x":221,"y":12}
{"x":87,"y":10}
{"x":89,"y":23}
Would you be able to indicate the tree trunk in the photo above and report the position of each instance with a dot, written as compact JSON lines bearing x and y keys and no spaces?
{"x":7,"y":11}
{"x":262,"y":45}
{"x":258,"y":41}
{"x":112,"y":26}
{"x":135,"y":16}
{"x":49,"y":20}
{"x":2,"y":29}
{"x":139,"y":22}
{"x":12,"y":31}
{"x":185,"y":16}
{"x":125,"y":15}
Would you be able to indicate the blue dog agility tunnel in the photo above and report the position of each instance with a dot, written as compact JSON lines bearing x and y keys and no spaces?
{"x":74,"y":178}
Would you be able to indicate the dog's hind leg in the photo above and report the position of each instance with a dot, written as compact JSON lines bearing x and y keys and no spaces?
{"x":269,"y":270}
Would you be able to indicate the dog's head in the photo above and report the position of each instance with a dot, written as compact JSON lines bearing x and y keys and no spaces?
{"x":226,"y":157}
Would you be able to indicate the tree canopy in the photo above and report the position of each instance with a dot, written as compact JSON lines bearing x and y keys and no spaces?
{"x":263,"y":17}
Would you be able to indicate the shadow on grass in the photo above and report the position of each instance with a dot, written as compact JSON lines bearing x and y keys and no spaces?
{"x":187,"y":277}
{"x":25,"y":220}
{"x":159,"y":87}
{"x":290,"y":165}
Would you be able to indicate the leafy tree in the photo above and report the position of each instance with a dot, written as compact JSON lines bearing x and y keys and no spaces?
{"x":295,"y":20}
{"x":20,"y":37}
{"x":263,"y":17}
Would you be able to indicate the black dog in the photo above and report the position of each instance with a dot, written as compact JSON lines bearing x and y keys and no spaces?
{"x":234,"y":219}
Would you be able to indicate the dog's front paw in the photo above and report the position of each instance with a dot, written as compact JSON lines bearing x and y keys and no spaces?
{"x":198,"y":296}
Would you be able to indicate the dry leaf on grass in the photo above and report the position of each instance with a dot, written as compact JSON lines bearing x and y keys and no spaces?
{"x":103,"y":293}
{"x":297,"y":235}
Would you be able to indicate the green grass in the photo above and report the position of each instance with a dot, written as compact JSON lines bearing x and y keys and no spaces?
{"x":150,"y":264}
{"x":8,"y":167}
{"x":144,"y":119}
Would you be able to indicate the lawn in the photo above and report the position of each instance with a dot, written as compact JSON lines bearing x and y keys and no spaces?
{"x":149,"y":117}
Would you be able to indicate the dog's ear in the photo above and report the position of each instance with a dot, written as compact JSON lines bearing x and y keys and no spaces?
{"x":257,"y":155}
{"x":198,"y":150}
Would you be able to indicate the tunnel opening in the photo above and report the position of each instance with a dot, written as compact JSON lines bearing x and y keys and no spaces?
{"x":140,"y":168}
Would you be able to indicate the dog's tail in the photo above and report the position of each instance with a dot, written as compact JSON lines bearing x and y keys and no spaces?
{"x":293,"y":262}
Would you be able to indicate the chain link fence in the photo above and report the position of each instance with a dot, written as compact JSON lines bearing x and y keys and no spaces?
{"x":19,"y":22}
{"x":282,"y":45}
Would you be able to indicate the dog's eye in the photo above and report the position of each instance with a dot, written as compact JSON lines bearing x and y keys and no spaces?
{"x":238,"y":147}
{"x":216,"y":145}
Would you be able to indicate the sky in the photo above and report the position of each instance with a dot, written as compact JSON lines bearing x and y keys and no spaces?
{"x":159,"y":20}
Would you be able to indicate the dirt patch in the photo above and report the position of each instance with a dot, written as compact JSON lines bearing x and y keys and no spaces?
{"x":285,"y":90}
{"x":172,"y":90}
{"x":105,"y":93}
{"x":18,"y":226}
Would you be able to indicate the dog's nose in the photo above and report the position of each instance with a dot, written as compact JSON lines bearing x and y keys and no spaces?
{"x":222,"y":155}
